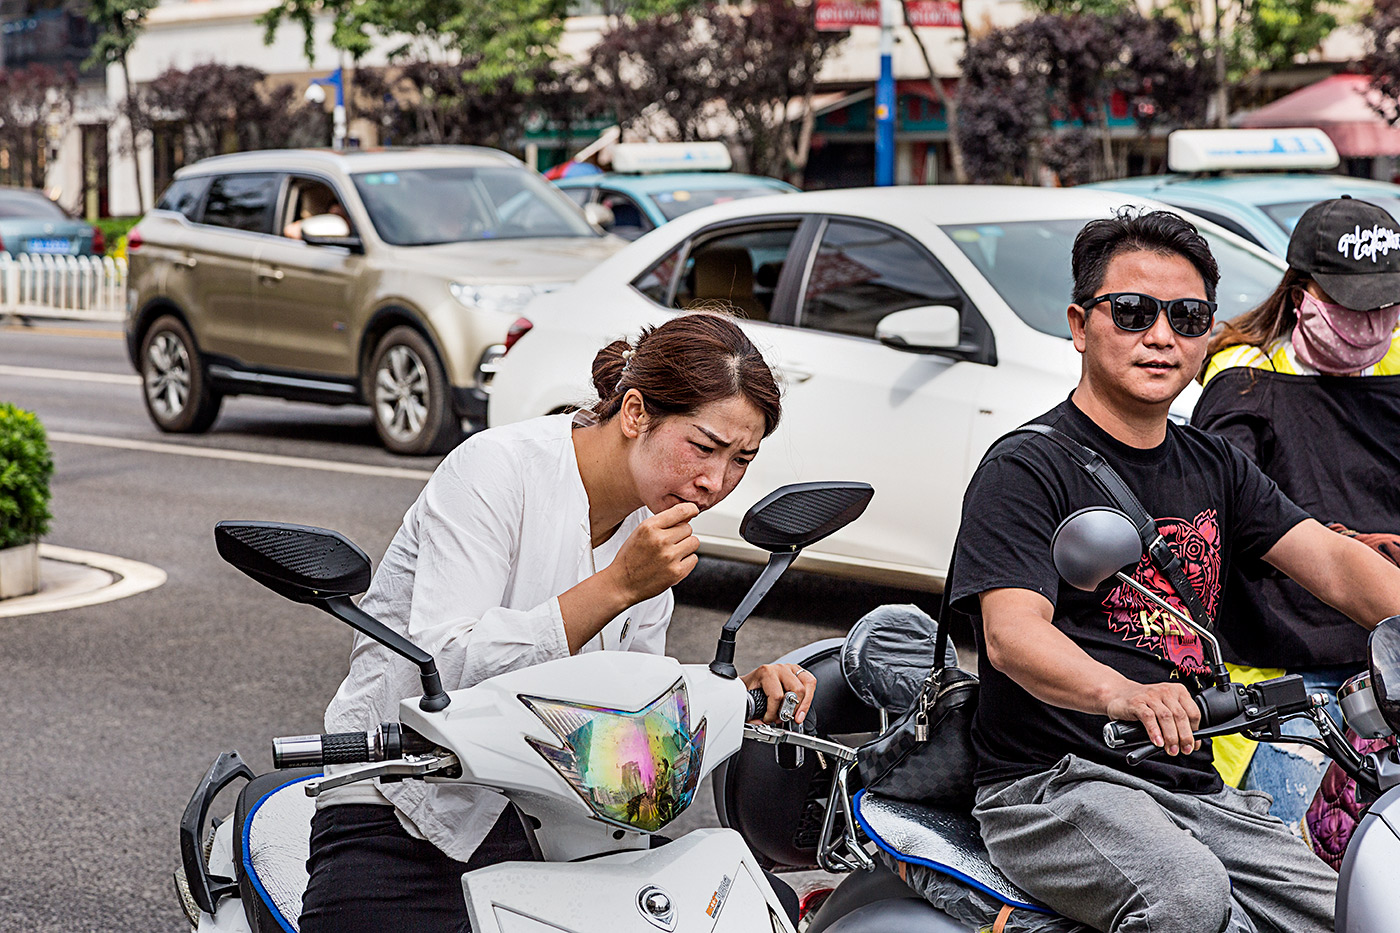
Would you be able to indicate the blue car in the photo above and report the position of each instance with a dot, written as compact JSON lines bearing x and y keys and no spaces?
{"x":1261,"y":206}
{"x":643,"y":201}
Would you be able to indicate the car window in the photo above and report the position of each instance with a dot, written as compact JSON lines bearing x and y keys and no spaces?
{"x":1028,"y":263}
{"x":424,"y":206}
{"x":627,"y":214}
{"x":1220,"y":220}
{"x":863,"y":272}
{"x":1286,"y":214}
{"x":655,"y":283}
{"x":309,"y":197}
{"x":243,"y":202}
{"x":739,"y":268}
{"x":29,"y":204}
{"x":680,"y":201}
{"x":183,"y":196}
{"x":579,"y":196}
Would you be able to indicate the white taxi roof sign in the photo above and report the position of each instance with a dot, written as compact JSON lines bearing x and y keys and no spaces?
{"x":1306,"y":148}
{"x":637,"y":158}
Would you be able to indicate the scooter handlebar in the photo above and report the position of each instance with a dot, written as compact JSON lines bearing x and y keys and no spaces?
{"x":344,"y":748}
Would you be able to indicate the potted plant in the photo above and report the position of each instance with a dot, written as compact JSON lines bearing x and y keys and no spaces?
{"x":25,"y":470}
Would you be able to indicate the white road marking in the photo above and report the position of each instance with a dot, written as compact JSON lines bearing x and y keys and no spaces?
{"x":72,"y":375}
{"x":240,"y":456}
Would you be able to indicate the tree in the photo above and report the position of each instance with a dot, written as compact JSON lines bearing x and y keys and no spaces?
{"x":35,"y":101}
{"x":503,"y":41}
{"x":120,"y":23}
{"x":1055,"y":76}
{"x":714,"y":69}
{"x":1382,"y":60}
{"x":422,"y":101}
{"x":229,"y":108}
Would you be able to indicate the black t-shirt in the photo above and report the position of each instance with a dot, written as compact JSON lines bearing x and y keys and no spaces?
{"x":1332,"y":443}
{"x":1211,"y":503}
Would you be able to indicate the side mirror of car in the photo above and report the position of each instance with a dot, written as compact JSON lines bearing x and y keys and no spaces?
{"x":924,"y":329}
{"x":599,"y":215}
{"x":330,"y":230}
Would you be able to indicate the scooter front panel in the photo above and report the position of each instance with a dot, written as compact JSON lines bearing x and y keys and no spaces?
{"x":705,"y":882}
{"x":1366,"y":891}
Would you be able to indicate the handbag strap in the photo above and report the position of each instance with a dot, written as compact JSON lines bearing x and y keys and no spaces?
{"x":1159,"y":550}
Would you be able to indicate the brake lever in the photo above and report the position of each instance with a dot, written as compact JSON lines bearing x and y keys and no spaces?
{"x":1267,"y":715}
{"x":412,"y":766}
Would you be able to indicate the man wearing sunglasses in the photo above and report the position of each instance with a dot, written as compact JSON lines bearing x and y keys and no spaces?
{"x":1164,"y":846}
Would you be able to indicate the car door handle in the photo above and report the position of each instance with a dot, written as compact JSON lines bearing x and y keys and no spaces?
{"x":795,"y":375}
{"x":271,"y":275}
{"x":189,"y":262}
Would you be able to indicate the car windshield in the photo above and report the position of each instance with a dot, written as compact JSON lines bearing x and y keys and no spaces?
{"x":423,"y":206}
{"x":1286,"y":214}
{"x":28,"y":204}
{"x":1028,"y":263}
{"x":684,"y":200}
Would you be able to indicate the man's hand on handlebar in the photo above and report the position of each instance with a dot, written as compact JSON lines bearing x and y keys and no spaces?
{"x":1167,"y":711}
{"x":779,"y":679}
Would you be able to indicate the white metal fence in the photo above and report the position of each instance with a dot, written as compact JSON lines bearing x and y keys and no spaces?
{"x":84,"y":288}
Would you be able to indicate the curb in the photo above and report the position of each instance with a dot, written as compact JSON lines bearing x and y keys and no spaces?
{"x":107,"y":578}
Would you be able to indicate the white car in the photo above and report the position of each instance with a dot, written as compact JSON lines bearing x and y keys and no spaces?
{"x":911,"y":326}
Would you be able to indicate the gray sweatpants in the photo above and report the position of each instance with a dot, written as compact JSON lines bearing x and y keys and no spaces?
{"x":1125,"y":856}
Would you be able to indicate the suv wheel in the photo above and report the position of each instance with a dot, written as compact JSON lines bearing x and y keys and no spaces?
{"x":410,"y":396}
{"x":177,"y":392}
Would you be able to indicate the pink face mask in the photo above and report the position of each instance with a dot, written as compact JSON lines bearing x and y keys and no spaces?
{"x":1336,"y":341}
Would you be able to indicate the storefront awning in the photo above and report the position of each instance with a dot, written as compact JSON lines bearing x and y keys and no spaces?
{"x":1337,"y":106}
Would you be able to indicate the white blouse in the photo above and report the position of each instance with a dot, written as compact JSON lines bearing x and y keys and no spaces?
{"x":473,"y":577}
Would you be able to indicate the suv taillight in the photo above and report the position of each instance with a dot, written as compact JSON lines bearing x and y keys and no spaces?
{"x":519,"y":329}
{"x":99,"y":242}
{"x":133,"y":240}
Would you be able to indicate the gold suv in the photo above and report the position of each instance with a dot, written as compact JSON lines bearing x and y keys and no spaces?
{"x":388,"y":278}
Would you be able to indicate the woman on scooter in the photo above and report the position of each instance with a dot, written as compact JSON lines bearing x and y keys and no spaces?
{"x":1308,"y":385}
{"x":531,"y":542}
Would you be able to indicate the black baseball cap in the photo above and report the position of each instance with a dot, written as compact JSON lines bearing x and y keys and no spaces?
{"x":1352,"y":249}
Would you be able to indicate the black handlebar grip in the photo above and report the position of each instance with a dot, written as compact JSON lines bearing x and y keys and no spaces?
{"x":758,"y":703}
{"x":1118,"y":733}
{"x":343,"y":748}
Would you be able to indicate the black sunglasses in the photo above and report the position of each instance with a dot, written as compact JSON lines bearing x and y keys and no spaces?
{"x":1133,"y":311}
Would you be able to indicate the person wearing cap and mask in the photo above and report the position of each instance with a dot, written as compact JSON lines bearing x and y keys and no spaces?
{"x":1308,"y":386}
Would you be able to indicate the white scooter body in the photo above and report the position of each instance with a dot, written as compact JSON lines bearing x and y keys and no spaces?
{"x":710,"y":878}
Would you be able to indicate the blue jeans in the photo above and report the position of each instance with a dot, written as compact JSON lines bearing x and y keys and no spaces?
{"x":1291,"y":774}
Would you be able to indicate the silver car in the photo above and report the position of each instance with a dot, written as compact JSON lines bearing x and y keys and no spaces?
{"x":31,"y":223}
{"x":388,"y":278}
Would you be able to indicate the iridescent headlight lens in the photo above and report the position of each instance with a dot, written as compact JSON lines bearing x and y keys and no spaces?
{"x":635,"y":769}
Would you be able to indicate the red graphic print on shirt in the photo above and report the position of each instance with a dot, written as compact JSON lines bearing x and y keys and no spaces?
{"x":1197,"y":545}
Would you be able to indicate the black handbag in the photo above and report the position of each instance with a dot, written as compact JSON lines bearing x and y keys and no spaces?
{"x":926,"y":754}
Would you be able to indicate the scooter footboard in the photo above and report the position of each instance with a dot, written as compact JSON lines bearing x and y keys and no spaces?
{"x":706,"y":881}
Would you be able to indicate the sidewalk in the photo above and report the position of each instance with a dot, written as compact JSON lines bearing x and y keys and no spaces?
{"x":71,"y":578}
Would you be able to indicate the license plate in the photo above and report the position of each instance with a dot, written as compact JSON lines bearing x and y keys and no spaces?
{"x":51,"y":245}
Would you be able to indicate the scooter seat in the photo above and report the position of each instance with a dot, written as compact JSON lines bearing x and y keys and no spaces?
{"x":945,"y":840}
{"x":271,"y":849}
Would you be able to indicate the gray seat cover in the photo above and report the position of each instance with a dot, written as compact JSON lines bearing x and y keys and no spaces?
{"x":888,"y":654}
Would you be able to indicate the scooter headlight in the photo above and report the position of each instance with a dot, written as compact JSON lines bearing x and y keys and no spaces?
{"x":639,"y":769}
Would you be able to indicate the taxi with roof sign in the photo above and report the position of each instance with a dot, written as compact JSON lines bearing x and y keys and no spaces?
{"x":1255,"y":183}
{"x":652,"y":183}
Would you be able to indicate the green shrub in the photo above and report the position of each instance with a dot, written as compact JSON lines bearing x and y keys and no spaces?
{"x":114,"y":230}
{"x":25,"y":470}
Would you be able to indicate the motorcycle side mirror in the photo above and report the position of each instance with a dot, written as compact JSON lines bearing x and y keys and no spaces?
{"x":320,"y":568}
{"x":1383,"y":653}
{"x":1092,"y":545}
{"x":783,"y":523}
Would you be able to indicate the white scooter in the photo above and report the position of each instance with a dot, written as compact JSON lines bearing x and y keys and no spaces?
{"x":597,"y":751}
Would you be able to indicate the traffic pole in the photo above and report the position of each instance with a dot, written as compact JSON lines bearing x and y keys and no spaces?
{"x":885,"y":96}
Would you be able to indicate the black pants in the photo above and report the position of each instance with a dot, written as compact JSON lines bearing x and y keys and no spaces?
{"x":367,"y":874}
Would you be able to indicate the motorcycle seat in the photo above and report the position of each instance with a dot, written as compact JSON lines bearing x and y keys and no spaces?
{"x":943,"y":839}
{"x":271,"y":848}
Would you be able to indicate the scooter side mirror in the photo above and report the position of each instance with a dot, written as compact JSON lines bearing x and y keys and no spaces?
{"x":793,"y":517}
{"x":1092,"y":545}
{"x":783,"y":523}
{"x":1383,"y":652}
{"x":302,"y":563}
{"x":321,"y":568}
